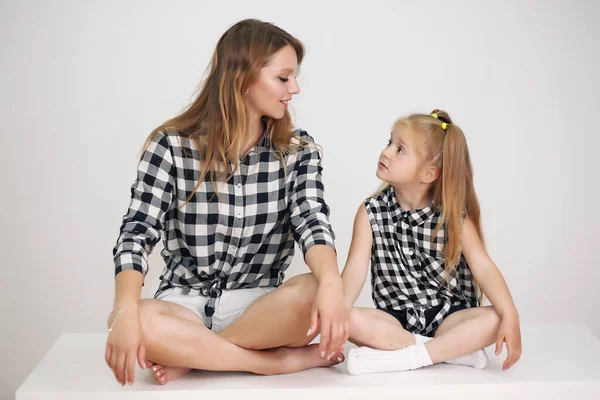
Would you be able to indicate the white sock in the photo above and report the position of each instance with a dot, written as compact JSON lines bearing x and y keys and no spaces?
{"x":477,"y":359}
{"x":365,"y":360}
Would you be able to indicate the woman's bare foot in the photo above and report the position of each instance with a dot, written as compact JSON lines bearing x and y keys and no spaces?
{"x":166,"y":374}
{"x":291,"y":360}
{"x":282,"y":360}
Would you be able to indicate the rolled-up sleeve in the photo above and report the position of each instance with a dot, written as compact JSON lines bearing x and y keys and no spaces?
{"x":151,"y":197}
{"x":309,"y":214}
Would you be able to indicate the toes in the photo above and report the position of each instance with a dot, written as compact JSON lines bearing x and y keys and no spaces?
{"x":161,"y":376}
{"x":338,"y":357}
{"x":159,"y":373}
{"x":155,"y":368}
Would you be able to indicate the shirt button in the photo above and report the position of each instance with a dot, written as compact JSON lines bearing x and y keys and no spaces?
{"x":240,"y":215}
{"x":239,"y":185}
{"x":411,"y":252}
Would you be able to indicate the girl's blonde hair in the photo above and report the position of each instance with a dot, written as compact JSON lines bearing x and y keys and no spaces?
{"x":453,"y":193}
{"x":216,"y":121}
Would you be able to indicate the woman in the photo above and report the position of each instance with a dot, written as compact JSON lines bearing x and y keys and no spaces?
{"x":230,"y":187}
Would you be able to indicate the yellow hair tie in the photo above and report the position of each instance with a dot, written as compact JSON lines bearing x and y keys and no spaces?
{"x":444,"y":125}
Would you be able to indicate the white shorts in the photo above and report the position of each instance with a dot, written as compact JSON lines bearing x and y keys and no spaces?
{"x":228,"y":307}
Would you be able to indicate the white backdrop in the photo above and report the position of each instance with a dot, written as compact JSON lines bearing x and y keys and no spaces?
{"x":83,"y":83}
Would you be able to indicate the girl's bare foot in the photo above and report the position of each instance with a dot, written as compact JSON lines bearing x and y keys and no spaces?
{"x":167,"y":374}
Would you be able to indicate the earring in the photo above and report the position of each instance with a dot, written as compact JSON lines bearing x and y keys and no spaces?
{"x":246,"y":94}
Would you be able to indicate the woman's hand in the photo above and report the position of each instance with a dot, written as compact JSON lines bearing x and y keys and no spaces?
{"x":125,"y":343}
{"x":331,"y":311}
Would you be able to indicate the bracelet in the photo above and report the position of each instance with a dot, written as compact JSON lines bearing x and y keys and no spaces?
{"x":118,"y":314}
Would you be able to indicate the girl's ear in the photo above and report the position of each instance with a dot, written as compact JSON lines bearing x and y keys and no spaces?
{"x":430,"y":174}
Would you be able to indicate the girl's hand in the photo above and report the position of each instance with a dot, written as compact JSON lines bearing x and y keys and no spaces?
{"x":125,"y":343}
{"x":509,"y":332}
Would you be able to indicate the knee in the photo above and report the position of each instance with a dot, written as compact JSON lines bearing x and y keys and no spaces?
{"x":357,"y":326}
{"x":149,"y":313}
{"x":304,"y":281}
{"x":354,"y":320}
{"x":300,"y":293}
{"x":493,"y":320}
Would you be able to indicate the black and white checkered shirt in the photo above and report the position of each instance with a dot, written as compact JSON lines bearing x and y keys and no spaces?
{"x":407,"y":269}
{"x":242,"y":238}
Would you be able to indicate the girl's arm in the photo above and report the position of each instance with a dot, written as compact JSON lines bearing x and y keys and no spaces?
{"x":357,"y":264}
{"x":494,"y":286}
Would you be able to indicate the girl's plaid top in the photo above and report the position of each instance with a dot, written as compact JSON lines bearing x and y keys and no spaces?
{"x":407,"y":266}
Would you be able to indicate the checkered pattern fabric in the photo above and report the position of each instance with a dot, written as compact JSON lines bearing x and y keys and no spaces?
{"x":242,"y":238}
{"x":407,"y":267}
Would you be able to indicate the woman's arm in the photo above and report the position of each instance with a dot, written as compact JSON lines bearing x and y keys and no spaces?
{"x":328,"y":307}
{"x":309,"y":217}
{"x":151,"y":197}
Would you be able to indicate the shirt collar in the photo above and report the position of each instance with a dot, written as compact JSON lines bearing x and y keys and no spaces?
{"x":411,"y":217}
{"x":263,"y":144}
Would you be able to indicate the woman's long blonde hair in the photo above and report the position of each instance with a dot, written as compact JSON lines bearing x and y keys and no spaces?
{"x":217,"y":120}
{"x":453,"y":193}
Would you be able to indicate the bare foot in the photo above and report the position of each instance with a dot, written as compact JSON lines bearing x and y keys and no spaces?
{"x":284,"y":360}
{"x":301,"y":358}
{"x":166,"y":374}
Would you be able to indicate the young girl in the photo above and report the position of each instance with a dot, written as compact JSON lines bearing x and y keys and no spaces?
{"x":422,"y":233}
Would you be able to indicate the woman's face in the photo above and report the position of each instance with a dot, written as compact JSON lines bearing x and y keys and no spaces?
{"x":276,"y":84}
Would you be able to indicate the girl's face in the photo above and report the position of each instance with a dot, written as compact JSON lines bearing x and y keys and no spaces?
{"x":276,"y":84}
{"x":400,"y":162}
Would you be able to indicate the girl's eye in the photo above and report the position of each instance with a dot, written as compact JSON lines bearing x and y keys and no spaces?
{"x":283,"y":79}
{"x":400,"y":149}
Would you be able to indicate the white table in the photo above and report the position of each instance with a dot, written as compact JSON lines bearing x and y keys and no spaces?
{"x":558,"y":361}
